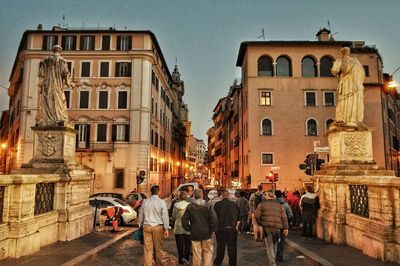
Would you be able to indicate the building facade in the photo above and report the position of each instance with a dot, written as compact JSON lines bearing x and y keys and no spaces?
{"x":284,"y":105}
{"x":124,"y":102}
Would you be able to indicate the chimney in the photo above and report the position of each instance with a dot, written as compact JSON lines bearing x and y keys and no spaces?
{"x":323,"y":35}
{"x":39,"y":27}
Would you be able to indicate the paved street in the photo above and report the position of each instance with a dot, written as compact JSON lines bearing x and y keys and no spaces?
{"x":130,"y":252}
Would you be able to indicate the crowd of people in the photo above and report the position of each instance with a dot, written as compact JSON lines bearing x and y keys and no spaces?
{"x":200,"y":227}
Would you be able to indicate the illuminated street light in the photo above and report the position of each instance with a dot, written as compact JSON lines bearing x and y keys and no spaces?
{"x":3,"y":146}
{"x":393,"y":84}
{"x":162,"y":160}
{"x":178,"y":163}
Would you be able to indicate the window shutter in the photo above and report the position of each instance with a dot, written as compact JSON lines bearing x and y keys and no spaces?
{"x":55,"y":41}
{"x":88,"y":136}
{"x":127,"y":133}
{"x":117,"y":74}
{"x":129,"y":69}
{"x":130,"y":43}
{"x":44,"y":43}
{"x":92,"y":41}
{"x":81,"y":43}
{"x":77,"y":135}
{"x":118,"y":43}
{"x":114,"y":132}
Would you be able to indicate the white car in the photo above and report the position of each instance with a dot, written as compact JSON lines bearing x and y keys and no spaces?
{"x":103,"y":203}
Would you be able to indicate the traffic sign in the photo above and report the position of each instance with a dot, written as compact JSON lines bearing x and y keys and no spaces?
{"x":321,"y":149}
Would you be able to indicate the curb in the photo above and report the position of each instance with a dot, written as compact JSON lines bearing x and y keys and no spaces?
{"x":310,"y":255}
{"x":87,"y":255}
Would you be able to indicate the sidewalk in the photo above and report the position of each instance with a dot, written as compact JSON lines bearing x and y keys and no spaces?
{"x":327,"y":254}
{"x":70,"y":252}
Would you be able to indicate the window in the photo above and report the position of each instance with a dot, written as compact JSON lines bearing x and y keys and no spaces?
{"x":104,"y":69}
{"x":69,"y":66}
{"x":124,"y":43}
{"x":49,"y":41}
{"x":67,"y":98}
{"x":283,"y":67}
{"x":123,"y":69}
{"x":119,"y":178}
{"x":267,"y":158}
{"x":310,"y":98}
{"x":328,"y":123}
{"x":120,"y":132}
{"x":85,"y":69}
{"x":265,"y":98}
{"x":266,"y":127}
{"x":87,"y":43}
{"x":329,"y":98}
{"x":308,"y":67}
{"x":83,"y":99}
{"x":83,"y":136}
{"x":265,"y":67}
{"x":105,"y":42}
{"x":123,"y":100}
{"x":103,"y":99}
{"x":311,"y":127}
{"x":68,"y":43}
{"x":325,"y":66}
{"x":366,"y":70}
{"x":101,"y":132}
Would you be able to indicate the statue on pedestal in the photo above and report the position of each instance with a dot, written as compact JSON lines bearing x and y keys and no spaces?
{"x":350,"y":90}
{"x":53,"y":75}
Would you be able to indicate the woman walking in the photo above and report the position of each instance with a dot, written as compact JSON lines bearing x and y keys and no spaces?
{"x":182,"y":237}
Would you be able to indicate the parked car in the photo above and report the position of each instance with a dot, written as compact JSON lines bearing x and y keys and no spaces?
{"x":108,"y":194}
{"x":103,"y":203}
{"x":135,"y":199}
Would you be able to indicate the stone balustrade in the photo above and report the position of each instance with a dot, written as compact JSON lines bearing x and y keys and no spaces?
{"x":373,"y":224}
{"x":63,"y":216}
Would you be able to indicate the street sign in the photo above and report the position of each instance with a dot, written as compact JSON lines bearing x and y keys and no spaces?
{"x":317,"y":143}
{"x":321,"y":149}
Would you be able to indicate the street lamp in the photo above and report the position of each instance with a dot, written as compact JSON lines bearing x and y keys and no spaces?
{"x":393,"y":84}
{"x":4,"y":153}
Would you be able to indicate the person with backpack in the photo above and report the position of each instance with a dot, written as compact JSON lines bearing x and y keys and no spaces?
{"x":182,"y":236}
{"x":281,"y":242}
{"x":308,"y":206}
{"x":255,"y":199}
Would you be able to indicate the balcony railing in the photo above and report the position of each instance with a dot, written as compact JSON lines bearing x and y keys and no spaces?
{"x":96,"y":146}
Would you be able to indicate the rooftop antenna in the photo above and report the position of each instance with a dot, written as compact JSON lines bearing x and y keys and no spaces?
{"x":98,"y":25}
{"x":63,"y":18}
{"x":176,"y":61}
{"x":329,"y":28}
{"x":262,"y":35}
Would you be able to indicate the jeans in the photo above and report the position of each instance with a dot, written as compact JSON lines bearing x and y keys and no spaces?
{"x":281,"y":246}
{"x":183,"y":243}
{"x":271,"y":239}
{"x":226,"y":239}
{"x":308,"y":222}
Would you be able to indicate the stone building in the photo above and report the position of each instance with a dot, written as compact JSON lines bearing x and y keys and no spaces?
{"x":283,"y":108}
{"x":126,"y":105}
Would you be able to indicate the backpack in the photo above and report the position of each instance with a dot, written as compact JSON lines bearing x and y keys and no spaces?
{"x":258,"y":200}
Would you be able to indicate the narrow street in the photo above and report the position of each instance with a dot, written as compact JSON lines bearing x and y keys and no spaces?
{"x":130,"y":252}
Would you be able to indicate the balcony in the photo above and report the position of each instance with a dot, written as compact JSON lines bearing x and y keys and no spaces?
{"x":96,"y":146}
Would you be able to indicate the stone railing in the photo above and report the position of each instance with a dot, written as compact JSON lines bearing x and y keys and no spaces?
{"x":362,"y":211}
{"x":39,"y":209}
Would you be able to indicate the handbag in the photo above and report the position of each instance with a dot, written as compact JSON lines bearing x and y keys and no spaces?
{"x":138,"y":235}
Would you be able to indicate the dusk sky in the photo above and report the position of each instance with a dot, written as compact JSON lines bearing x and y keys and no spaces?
{"x":205,"y":35}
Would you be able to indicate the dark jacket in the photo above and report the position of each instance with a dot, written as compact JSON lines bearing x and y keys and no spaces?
{"x":228,"y":215}
{"x":271,"y":216}
{"x":200,"y":220}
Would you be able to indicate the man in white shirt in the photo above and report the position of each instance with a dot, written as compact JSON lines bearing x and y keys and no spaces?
{"x":153,"y":216}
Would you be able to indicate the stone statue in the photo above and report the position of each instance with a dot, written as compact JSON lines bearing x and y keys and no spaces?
{"x":53,"y":75}
{"x":350,"y":90}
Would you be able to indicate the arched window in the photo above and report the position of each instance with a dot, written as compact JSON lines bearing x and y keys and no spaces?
{"x":283,"y":67}
{"x":311,"y":127}
{"x":328,"y":123}
{"x":308,"y":67}
{"x":266,"y":127}
{"x":325,"y":66}
{"x":265,"y":67}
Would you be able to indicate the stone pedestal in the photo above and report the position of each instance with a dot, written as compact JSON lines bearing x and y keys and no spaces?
{"x":349,"y":144}
{"x":53,"y":147}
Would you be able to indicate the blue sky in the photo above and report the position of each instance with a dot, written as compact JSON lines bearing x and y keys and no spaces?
{"x":205,"y":35}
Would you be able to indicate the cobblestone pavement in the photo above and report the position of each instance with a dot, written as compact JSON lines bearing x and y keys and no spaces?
{"x":130,"y":252}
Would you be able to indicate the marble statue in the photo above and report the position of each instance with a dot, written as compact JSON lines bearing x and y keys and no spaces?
{"x":53,"y":75}
{"x":350,"y":90}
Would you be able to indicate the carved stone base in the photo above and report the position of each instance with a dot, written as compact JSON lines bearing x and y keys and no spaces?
{"x":53,"y":147}
{"x":349,"y":144}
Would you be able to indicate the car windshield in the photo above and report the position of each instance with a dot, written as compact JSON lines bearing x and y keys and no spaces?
{"x":123,"y":203}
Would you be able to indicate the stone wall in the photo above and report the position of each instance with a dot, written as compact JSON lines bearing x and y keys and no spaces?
{"x":70,"y":216}
{"x":377,"y":231}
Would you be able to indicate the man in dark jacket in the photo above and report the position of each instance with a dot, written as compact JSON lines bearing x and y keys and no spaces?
{"x":272,"y":217}
{"x":200,"y":220}
{"x":228,"y":215}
